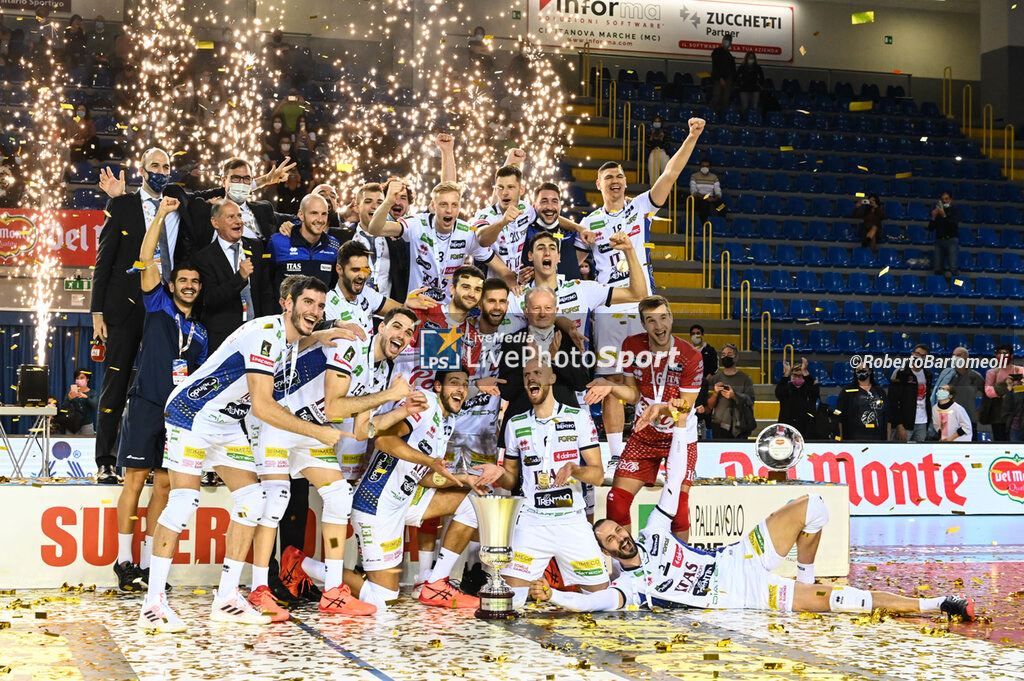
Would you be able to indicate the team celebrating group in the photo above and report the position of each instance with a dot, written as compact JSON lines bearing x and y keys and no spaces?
{"x":339,"y":390}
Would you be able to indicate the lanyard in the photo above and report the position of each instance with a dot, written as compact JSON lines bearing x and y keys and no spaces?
{"x":448,"y":247}
{"x":191,"y":331}
{"x":659,"y":386}
{"x":546,"y":463}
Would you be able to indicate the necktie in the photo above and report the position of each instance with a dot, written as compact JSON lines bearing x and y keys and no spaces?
{"x":164,"y":248}
{"x":247,"y":311}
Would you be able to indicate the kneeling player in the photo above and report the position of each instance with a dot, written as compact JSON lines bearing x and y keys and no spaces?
{"x":658,"y":569}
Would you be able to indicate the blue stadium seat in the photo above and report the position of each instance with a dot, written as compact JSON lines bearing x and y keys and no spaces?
{"x":985,"y":315}
{"x":987,"y":287}
{"x":781,"y":281}
{"x":881,"y":313}
{"x":1012,"y":216}
{"x":961,"y":315}
{"x":886,"y":285}
{"x":962,"y":287}
{"x":786,"y":255}
{"x":844,"y":207}
{"x":828,"y":311}
{"x":781,"y":182}
{"x":768,"y":228}
{"x":988,"y":237}
{"x":820,"y":373}
{"x":910,"y":285}
{"x":821,"y":342}
{"x":907,"y":313}
{"x":988,"y":262}
{"x":875,"y":341}
{"x":719,"y":227}
{"x":796,"y":205}
{"x":917,"y":234}
{"x":772,"y":205}
{"x":838,"y":256}
{"x":1011,"y":316}
{"x":1013,"y":288}
{"x":762,"y":254}
{"x":806,"y":281}
{"x":935,"y":285}
{"x":747,"y":203}
{"x":1011,"y":238}
{"x":89,"y":199}
{"x":901,"y":342}
{"x":833,"y":283}
{"x":794,"y":338}
{"x":894,"y":210}
{"x":801,"y":310}
{"x":757,"y":279}
{"x":966,"y":213}
{"x":863,"y":257}
{"x":987,"y":215}
{"x":860,"y":283}
{"x":743,"y":228}
{"x":756,"y":181}
{"x":932,"y":340}
{"x":82,"y":173}
{"x":855,"y":312}
{"x":921,"y":189}
{"x":821,"y":207}
{"x":818,"y":230}
{"x":934,"y":315}
{"x":842,"y":374}
{"x":983,"y":345}
{"x":918,"y":211}
{"x":1012,"y":340}
{"x":1012,"y":262}
{"x":737,"y":254}
{"x":752,"y":309}
{"x":793,"y":230}
{"x":956,"y":340}
{"x":813,"y":257}
{"x":889,"y":257}
{"x":776,"y":308}
{"x":852,"y":185}
{"x":847,"y":342}
{"x":965,"y":259}
{"x":804,"y":184}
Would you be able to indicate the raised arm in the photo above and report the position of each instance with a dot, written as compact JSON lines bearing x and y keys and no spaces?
{"x":446,"y":143}
{"x":663,"y":185}
{"x":150,"y":277}
{"x":379,"y":225}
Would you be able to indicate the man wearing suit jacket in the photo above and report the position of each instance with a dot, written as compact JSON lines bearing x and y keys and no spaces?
{"x":571,"y":373}
{"x":237,"y":276}
{"x":116,"y":306}
{"x":259,"y":220}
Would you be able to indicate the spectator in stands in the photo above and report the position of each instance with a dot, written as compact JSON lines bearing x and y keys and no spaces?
{"x":949,"y":419}
{"x":797,"y":392}
{"x":707,"y":192}
{"x":78,"y":413}
{"x":304,"y":148}
{"x":968,"y":385}
{"x":290,"y":109}
{"x":870,"y":213}
{"x":283,"y":150}
{"x":749,"y":79}
{"x":12,"y":188}
{"x":1013,"y":407}
{"x":76,"y":43}
{"x":657,"y":159}
{"x":272,"y":138}
{"x":278,"y":51}
{"x":19,"y":46}
{"x":945,"y":223}
{"x":5,"y":46}
{"x":587,"y":269}
{"x":992,"y":411}
{"x":723,"y":73}
{"x":707,"y":353}
{"x":102,"y":41}
{"x":862,"y":409}
{"x":288,"y":194}
{"x":80,"y":131}
{"x":732,"y":401}
{"x":909,"y":389}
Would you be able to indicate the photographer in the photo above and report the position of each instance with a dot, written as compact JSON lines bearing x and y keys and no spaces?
{"x":945,"y":223}
{"x":77,"y":415}
{"x":870,"y":213}
{"x":732,"y":402}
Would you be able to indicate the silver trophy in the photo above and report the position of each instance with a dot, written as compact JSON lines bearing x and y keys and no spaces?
{"x":779,"y":447}
{"x":496,"y":517}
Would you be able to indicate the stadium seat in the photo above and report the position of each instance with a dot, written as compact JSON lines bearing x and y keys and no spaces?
{"x":985,"y":315}
{"x":781,"y":182}
{"x":772,"y":205}
{"x":987,"y":215}
{"x":910,"y":285}
{"x":1013,"y":263}
{"x":821,"y":207}
{"x":847,"y":342}
{"x":781,"y":281}
{"x":901,"y":342}
{"x":934,"y":314}
{"x":828,"y":311}
{"x":988,"y":262}
{"x":889,"y":257}
{"x":820,"y":373}
{"x":82,"y":173}
{"x":860,"y":283}
{"x":767,"y":228}
{"x":956,"y":340}
{"x":894,"y":210}
{"x":776,"y":308}
{"x":935,"y":285}
{"x":838,"y":256}
{"x":794,"y":338}
{"x":907,"y":313}
{"x":743,"y":228}
{"x":1012,"y":216}
{"x":881,"y":313}
{"x":855,"y":312}
{"x":1013,"y":288}
{"x":801,"y":310}
{"x":932,"y":340}
{"x":757,"y":280}
{"x":747,"y":203}
{"x":1011,"y":316}
{"x":793,"y":230}
{"x":983,"y":345}
{"x":756,"y":181}
{"x":786,"y":255}
{"x":961,"y":287}
{"x":812,"y":256}
{"x":842,"y":374}
{"x":875,"y":341}
{"x":806,"y":281}
{"x":886,"y":285}
{"x":737,"y":254}
{"x":918,"y":211}
{"x":796,"y":205}
{"x":961,"y":315}
{"x":965,"y":260}
{"x":987,"y":287}
{"x":917,"y":234}
{"x":761,"y":254}
{"x":804,"y":184}
{"x":863,"y":257}
{"x":821,"y":342}
{"x":752,"y":309}
{"x":833,"y":283}
{"x":1013,"y":340}
{"x":988,"y":237}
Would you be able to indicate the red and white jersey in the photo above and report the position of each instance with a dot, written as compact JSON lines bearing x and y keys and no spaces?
{"x":661,"y":376}
{"x":437,"y":319}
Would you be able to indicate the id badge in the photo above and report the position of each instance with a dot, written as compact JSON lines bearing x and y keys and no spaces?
{"x":179,"y":371}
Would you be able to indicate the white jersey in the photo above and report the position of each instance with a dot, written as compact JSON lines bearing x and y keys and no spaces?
{"x":218,"y":393}
{"x":380,"y":260}
{"x":510,"y":243}
{"x":435,"y":257}
{"x":389,"y":481}
{"x":577,"y":298}
{"x":359,"y":311}
{"x":671,"y":572}
{"x":542,"y":447}
{"x":632,"y":220}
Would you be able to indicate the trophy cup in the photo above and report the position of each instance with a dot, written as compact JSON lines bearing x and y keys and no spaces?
{"x":779,"y":447}
{"x":496,"y":515}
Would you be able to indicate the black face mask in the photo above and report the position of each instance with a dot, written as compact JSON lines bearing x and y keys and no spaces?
{"x":728,"y":361}
{"x":863,"y":375}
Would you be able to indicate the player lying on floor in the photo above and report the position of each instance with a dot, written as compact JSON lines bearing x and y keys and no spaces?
{"x":658,"y":569}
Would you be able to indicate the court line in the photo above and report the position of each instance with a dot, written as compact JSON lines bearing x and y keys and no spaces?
{"x":344,"y":652}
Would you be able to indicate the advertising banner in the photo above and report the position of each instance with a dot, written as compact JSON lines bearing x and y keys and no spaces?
{"x":21,"y":241}
{"x":672,"y":27}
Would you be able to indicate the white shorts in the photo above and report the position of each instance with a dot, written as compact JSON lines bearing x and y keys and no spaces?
{"x":571,"y":543}
{"x":612,"y":325}
{"x":191,"y":453}
{"x":381,"y":536}
{"x":351,"y":457}
{"x":283,"y":452}
{"x":745,"y":578}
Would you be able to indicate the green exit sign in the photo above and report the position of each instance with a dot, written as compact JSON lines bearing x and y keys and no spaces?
{"x":888,"y":40}
{"x":516,"y":14}
{"x":78,"y":284}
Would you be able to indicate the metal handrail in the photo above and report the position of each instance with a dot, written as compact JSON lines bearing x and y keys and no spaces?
{"x":724,"y":286}
{"x":705,"y":257}
{"x":600,"y":90}
{"x":689,"y":227}
{"x":627,"y":120}
{"x":612,"y":88}
{"x":745,"y":315}
{"x":967,"y":108}
{"x":586,"y":69}
{"x":986,"y":129}
{"x":766,"y":343}
{"x":947,"y":91}
{"x":1009,"y":137}
{"x":673,"y":204}
{"x":641,"y":152}
{"x":792,"y":355}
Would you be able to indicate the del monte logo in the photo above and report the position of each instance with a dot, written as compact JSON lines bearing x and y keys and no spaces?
{"x":18,"y":235}
{"x":1006,"y":476}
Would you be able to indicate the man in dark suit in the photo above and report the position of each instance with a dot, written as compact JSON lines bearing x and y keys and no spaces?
{"x":540,"y":334}
{"x":238,"y":278}
{"x":116,"y":306}
{"x":259,"y":219}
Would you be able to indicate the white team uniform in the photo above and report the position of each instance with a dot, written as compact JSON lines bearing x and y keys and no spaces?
{"x":389,"y":496}
{"x":204,"y":414}
{"x":509,"y":246}
{"x":576,"y":298}
{"x":359,"y":311}
{"x":552,"y":521}
{"x":613,"y":323}
{"x":435,"y":257}
{"x":673,"y":573}
{"x":380,"y":260}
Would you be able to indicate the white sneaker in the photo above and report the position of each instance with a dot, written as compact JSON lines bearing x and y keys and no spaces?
{"x":236,"y":608}
{"x":159,"y":617}
{"x":417,"y":587}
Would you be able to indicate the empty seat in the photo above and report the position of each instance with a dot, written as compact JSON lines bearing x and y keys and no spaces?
{"x":806,"y":281}
{"x":863,"y":257}
{"x":752,"y":311}
{"x":901,"y":342}
{"x":954,"y":341}
{"x":987,"y":261}
{"x":1013,"y":288}
{"x":793,"y":230}
{"x":961,"y":315}
{"x":881,"y":313}
{"x":983,"y":345}
{"x":761,"y":254}
{"x":889,"y":257}
{"x":833,"y":283}
{"x":934,"y":314}
{"x":772,"y":205}
{"x":855,"y":312}
{"x":987,"y":287}
{"x":838,"y":256}
{"x":746,"y":203}
{"x":774,"y":307}
{"x":910,"y":285}
{"x":932,"y":340}
{"x":860,"y":283}
{"x":961,"y":287}
{"x":821,"y":207}
{"x":894,"y":210}
{"x":743,"y":228}
{"x":801,"y":310}
{"x":1012,"y":262}
{"x":876,"y":341}
{"x":847,"y":342}
{"x":886,"y":285}
{"x":780,"y":182}
{"x":1010,"y":315}
{"x":767,"y":228}
{"x":935,"y":285}
{"x":794,"y":338}
{"x":842,"y":374}
{"x":821,"y":342}
{"x":796,"y":205}
{"x":985,"y":315}
{"x":828,"y":311}
{"x":917,"y":234}
{"x":813,"y":257}
{"x":757,"y":280}
{"x":782,"y":281}
{"x":907,"y":313}
{"x":988,"y":237}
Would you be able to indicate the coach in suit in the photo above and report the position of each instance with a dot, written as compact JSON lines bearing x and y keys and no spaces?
{"x":237,"y":276}
{"x":116,"y":306}
{"x":259,"y":220}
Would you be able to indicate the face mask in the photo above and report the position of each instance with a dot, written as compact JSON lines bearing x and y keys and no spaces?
{"x":797,"y":381}
{"x":239,"y":192}
{"x":696,"y":339}
{"x":945,"y":205}
{"x":157,"y":181}
{"x":82,"y":382}
{"x":656,"y":125}
{"x":99,"y":25}
{"x":728,"y":361}
{"x":80,"y":113}
{"x":863,"y":375}
{"x":277,"y":125}
{"x":941,"y":395}
{"x":285,"y":148}
{"x":705,"y":171}
{"x":750,"y":61}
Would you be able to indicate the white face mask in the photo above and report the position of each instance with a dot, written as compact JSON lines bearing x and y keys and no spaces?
{"x":285,"y":148}
{"x":277,"y":125}
{"x":239,"y":192}
{"x":705,"y":171}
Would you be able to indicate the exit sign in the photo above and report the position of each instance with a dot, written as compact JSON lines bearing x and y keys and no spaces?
{"x":78,"y":284}
{"x":516,"y":14}
{"x":888,"y":40}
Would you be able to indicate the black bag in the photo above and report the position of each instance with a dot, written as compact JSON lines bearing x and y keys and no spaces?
{"x":985,"y":411}
{"x":826,"y":423}
{"x":70,"y":417}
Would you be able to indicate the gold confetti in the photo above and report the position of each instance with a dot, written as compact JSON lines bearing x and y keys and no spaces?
{"x":803,"y":50}
{"x":434,"y":643}
{"x":785,"y":148}
{"x":884,"y":270}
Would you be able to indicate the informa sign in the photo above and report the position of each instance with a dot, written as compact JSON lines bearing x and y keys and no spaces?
{"x":21,"y":241}
{"x":669,"y":27}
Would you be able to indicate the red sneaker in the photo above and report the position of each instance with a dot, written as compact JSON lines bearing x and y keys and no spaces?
{"x":293,"y":576}
{"x":443,"y":595}
{"x":340,"y":601}
{"x":265,"y":603}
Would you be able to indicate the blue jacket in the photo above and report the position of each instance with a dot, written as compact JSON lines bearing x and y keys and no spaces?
{"x":294,"y":255}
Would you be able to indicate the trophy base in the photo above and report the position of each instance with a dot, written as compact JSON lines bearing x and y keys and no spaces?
{"x":496,"y":605}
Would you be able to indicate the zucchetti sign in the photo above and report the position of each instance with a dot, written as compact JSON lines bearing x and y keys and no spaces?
{"x":673,"y":27}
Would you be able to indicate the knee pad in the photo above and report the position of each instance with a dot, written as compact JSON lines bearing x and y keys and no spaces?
{"x":278,"y":493}
{"x":181,"y":504}
{"x":817,"y":514}
{"x":375,"y":594}
{"x":466,"y":514}
{"x":681,"y":522}
{"x":618,"y":504}
{"x":337,"y":498}
{"x":249,"y":502}
{"x":848,"y":599}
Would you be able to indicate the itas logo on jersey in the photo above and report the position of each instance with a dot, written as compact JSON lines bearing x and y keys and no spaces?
{"x":440,"y":350}
{"x":293,"y":266}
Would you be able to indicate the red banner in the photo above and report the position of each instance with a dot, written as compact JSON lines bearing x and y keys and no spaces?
{"x":21,"y":241}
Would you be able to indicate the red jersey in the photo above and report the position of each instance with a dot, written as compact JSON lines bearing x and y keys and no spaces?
{"x":436,"y":319}
{"x":661,"y":377}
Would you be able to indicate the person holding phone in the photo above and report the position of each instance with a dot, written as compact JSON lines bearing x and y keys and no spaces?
{"x":1013,"y":405}
{"x":945,"y":223}
{"x":731,"y":402}
{"x":869,"y":210}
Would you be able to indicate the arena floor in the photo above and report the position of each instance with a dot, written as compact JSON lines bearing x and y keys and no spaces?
{"x":80,"y":634}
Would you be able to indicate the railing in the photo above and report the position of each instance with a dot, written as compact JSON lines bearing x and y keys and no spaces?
{"x":1009,"y":137}
{"x":612,"y":87}
{"x":586,"y":68}
{"x":641,"y":152}
{"x":766,"y":343}
{"x":967,"y":109}
{"x":745,"y":315}
{"x":792,"y":356}
{"x":705,"y":257}
{"x":689,"y":227}
{"x":599,"y":95}
{"x":673,"y":203}
{"x":627,"y":120}
{"x":725,"y":272}
{"x":947,"y":91}
{"x":986,"y":130}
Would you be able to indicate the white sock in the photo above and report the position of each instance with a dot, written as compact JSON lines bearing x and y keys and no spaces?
{"x":124,"y":548}
{"x":805,"y":573}
{"x":145,"y":552}
{"x":314,"y":568}
{"x":426,"y":562}
{"x":335,"y":571}
{"x":927,"y":604}
{"x":615,"y":444}
{"x":473,"y":553}
{"x":443,"y":567}
{"x":230,"y":577}
{"x":159,"y":569}
{"x":260,"y":576}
